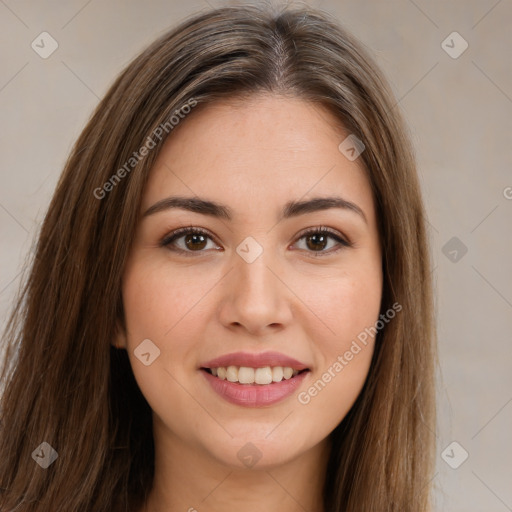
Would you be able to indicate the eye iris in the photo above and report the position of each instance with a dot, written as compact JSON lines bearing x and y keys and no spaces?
{"x":316,"y":236}
{"x":194,"y":237}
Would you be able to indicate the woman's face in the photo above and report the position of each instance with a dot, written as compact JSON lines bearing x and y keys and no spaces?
{"x":252,"y":289}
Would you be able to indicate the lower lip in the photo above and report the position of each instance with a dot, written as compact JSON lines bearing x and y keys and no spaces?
{"x":254,"y":395}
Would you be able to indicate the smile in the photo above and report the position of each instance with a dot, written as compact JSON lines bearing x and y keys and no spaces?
{"x":247,"y":375}
{"x":252,"y":394}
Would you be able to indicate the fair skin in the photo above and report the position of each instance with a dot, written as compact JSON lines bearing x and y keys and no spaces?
{"x":298,"y":297}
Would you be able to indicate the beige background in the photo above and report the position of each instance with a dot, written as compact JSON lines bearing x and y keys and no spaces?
{"x":459,"y":111}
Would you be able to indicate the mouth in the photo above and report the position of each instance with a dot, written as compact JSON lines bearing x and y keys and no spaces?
{"x":255,"y":379}
{"x":248,"y":386}
{"x":262,"y":376}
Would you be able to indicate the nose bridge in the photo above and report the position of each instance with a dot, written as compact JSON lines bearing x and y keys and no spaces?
{"x":254,"y":281}
{"x":256,"y":297}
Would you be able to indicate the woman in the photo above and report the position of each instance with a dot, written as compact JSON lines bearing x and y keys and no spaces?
{"x":230,"y":303}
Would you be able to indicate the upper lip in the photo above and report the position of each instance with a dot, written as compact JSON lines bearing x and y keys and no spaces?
{"x":255,"y":360}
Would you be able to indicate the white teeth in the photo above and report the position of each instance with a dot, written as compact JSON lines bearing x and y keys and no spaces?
{"x":288,"y":372}
{"x":247,"y":375}
{"x":277,"y":373}
{"x":232,"y":373}
{"x":263,"y":375}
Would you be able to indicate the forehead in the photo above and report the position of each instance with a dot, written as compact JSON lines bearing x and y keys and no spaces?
{"x":255,"y":152}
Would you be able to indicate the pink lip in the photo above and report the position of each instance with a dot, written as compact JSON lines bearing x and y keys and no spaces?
{"x":254,"y":395}
{"x":254,"y":360}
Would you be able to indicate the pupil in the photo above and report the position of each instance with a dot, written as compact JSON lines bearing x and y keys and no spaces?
{"x":319,"y":245}
{"x":192,"y":245}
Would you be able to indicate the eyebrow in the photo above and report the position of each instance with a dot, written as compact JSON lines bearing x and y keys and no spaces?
{"x":290,"y":209}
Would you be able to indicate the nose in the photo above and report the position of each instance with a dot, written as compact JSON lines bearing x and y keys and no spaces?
{"x":256,"y":297}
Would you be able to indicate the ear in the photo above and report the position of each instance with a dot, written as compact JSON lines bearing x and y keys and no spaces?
{"x":119,"y":340}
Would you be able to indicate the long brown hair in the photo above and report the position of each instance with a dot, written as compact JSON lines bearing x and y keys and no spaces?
{"x":67,"y":386}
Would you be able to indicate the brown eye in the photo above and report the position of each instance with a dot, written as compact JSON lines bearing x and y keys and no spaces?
{"x":316,"y":241}
{"x":194,"y":240}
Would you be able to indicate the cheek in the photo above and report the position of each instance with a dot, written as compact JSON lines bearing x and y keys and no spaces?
{"x":163,"y":307}
{"x":350,"y":307}
{"x":345,"y":304}
{"x":158,"y":302}
{"x":358,"y":304}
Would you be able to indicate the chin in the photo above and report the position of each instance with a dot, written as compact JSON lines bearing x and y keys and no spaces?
{"x":254,"y":452}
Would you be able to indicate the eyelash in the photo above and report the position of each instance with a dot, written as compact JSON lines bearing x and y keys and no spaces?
{"x":321,"y":230}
